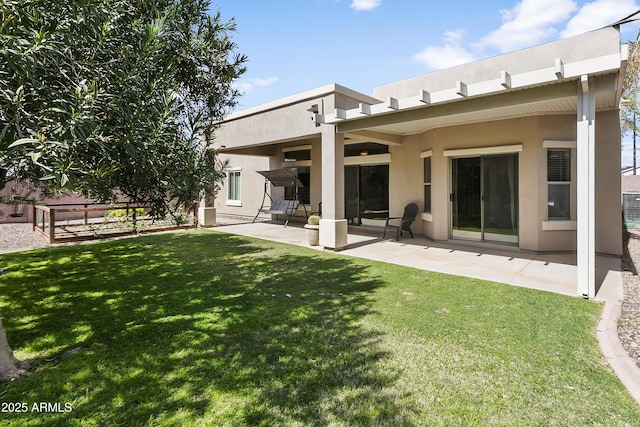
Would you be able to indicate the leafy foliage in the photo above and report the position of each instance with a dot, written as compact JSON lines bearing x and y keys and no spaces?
{"x":115,"y":97}
{"x":629,"y":111}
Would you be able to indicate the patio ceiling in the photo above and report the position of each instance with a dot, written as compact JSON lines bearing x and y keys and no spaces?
{"x":552,"y":90}
{"x":548,"y":100}
{"x":454,"y":114}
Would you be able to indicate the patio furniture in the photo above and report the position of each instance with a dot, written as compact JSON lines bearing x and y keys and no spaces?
{"x":409,"y":215}
{"x":280,"y":178}
{"x":280,"y":207}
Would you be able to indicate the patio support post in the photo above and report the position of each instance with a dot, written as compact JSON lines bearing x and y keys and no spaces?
{"x":586,"y":187}
{"x":333,"y":226}
{"x":207,"y":212}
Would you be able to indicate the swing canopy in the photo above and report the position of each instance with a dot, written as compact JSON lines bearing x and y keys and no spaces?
{"x":282,"y":178}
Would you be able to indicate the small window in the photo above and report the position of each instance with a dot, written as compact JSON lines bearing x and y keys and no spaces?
{"x":427,"y":185}
{"x":297,"y":156}
{"x":559,"y":183}
{"x":235,"y":184}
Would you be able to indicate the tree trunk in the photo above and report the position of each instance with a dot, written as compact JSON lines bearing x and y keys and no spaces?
{"x":10,"y":367}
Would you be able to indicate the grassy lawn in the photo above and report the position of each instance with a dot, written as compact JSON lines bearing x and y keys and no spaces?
{"x":203,"y":328}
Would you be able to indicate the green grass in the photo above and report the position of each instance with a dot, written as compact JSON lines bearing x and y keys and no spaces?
{"x":202,"y":328}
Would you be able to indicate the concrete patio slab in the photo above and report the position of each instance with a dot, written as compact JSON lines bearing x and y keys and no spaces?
{"x":549,"y":272}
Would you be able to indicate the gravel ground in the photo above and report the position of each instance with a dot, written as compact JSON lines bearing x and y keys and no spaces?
{"x":19,"y":237}
{"x":629,"y":324}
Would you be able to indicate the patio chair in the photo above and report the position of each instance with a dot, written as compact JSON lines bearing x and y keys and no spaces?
{"x":409,"y":215}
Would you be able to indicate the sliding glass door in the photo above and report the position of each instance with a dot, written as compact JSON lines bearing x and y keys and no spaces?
{"x":366,"y":190}
{"x":466,"y":198}
{"x":485,"y":198}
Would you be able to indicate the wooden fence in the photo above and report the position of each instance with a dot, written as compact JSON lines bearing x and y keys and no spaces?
{"x":71,"y":222}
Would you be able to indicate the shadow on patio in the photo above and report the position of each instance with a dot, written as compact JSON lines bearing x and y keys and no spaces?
{"x":553,"y":272}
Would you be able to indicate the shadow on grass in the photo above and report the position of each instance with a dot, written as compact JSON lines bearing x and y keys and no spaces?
{"x":197,"y":328}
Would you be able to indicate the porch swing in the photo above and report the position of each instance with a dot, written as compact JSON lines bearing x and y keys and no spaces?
{"x":281,"y":178}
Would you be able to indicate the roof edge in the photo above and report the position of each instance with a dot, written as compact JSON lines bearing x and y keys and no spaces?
{"x":328,"y":89}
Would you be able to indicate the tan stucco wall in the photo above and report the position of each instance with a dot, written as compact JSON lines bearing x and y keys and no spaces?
{"x":252,"y":187}
{"x":288,"y":123}
{"x":406,"y":176}
{"x":492,"y":134}
{"x":608,"y":197}
{"x":253,"y":183}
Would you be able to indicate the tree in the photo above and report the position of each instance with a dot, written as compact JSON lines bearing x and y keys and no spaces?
{"x":114,"y":97}
{"x":629,"y":106}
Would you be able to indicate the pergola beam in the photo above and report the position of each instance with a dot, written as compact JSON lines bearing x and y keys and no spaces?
{"x":373,"y":136}
{"x":559,"y":70}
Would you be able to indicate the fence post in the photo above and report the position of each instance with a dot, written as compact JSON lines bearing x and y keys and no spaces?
{"x":52,"y":226}
{"x":86,"y":215}
{"x":33,"y":219}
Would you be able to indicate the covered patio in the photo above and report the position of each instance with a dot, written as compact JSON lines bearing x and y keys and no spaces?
{"x":552,"y":272}
{"x":517,"y":153}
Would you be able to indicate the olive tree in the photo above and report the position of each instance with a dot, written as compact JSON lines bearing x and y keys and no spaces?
{"x":113,"y":98}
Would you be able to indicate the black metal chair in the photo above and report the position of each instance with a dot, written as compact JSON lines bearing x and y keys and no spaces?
{"x":409,"y":215}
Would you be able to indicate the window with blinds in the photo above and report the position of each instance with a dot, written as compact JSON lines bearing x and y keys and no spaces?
{"x":427,"y":185}
{"x":234,"y":185}
{"x":559,"y":183}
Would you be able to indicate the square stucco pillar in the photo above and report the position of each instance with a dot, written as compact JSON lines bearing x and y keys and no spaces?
{"x":586,"y":207}
{"x":333,"y":226}
{"x":206,"y":212}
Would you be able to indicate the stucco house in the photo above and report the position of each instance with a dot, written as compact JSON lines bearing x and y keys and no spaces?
{"x":521,"y":149}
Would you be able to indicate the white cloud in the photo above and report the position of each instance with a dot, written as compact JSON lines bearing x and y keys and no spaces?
{"x":598,"y":14}
{"x":447,"y":55}
{"x":250,"y":84}
{"x":529,"y":23}
{"x":365,"y":4}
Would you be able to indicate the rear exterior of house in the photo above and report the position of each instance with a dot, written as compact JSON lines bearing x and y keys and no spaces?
{"x":522,"y":149}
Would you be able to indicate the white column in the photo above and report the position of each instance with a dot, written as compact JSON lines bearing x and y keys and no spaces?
{"x":333,"y":226}
{"x":207,"y":212}
{"x":586,"y":211}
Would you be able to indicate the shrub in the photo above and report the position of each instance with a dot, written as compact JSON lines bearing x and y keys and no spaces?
{"x":313,"y":220}
{"x":121,"y":212}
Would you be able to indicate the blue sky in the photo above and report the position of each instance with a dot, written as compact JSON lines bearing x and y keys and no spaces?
{"x":297,"y":45}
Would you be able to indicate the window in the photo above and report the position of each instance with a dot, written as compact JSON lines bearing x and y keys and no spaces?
{"x":234,"y":185}
{"x":426,"y":211}
{"x":300,"y":154}
{"x":297,"y":156}
{"x":559,"y":183}
{"x":427,"y":185}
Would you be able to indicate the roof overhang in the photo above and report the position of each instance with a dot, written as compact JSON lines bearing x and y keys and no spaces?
{"x":550,"y":90}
